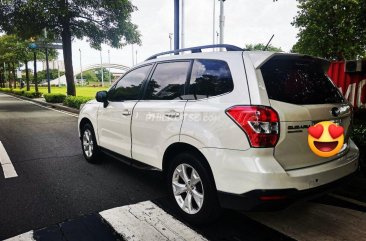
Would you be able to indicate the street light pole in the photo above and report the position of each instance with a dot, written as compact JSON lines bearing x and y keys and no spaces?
{"x":217,"y":37}
{"x":170,"y":41}
{"x":176,"y":24}
{"x":183,"y":26}
{"x":133,"y":56}
{"x":213,"y":22}
{"x":101,"y":67}
{"x":109,"y":69}
{"x":136,"y":57}
{"x":81,"y":70}
{"x":35,"y":71}
{"x":48,"y":72}
{"x":58,"y":73}
{"x":222,"y":21}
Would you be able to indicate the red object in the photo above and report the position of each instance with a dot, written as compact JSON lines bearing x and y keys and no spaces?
{"x":260,"y":123}
{"x":271,"y":198}
{"x":335,"y":131}
{"x":316,"y":131}
{"x":351,"y":82}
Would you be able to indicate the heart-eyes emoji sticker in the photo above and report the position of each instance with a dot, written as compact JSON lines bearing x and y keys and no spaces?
{"x":326,"y":138}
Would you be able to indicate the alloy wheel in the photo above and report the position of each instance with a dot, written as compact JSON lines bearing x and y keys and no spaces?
{"x":88,"y":144}
{"x":187,"y":188}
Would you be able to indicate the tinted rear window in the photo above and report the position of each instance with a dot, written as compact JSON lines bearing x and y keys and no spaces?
{"x":210,"y":78}
{"x":168,"y":81}
{"x":298,"y":80}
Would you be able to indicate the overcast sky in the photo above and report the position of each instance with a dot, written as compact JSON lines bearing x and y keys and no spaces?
{"x":247,"y":21}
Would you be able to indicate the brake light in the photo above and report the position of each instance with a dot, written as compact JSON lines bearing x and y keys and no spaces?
{"x":260,"y":123}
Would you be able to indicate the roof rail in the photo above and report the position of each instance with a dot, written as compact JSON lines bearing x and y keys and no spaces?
{"x":198,"y":49}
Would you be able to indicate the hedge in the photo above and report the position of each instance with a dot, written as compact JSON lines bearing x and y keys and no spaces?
{"x":8,"y":90}
{"x":32,"y":94}
{"x":18,"y":92}
{"x":29,"y":94}
{"x":54,"y":98}
{"x":76,"y":101}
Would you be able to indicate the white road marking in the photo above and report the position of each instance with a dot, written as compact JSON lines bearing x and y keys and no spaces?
{"x":48,"y":108}
{"x":6,"y":164}
{"x":311,"y":221}
{"x":22,"y":237}
{"x":146,"y":221}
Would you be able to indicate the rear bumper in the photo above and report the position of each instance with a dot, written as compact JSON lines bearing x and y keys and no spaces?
{"x":265,"y":200}
{"x":241,"y":177}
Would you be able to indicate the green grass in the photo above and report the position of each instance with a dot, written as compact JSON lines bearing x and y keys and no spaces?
{"x":85,"y":91}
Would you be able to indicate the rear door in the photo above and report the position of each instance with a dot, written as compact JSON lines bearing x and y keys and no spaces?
{"x":157,"y":118}
{"x":299,"y":90}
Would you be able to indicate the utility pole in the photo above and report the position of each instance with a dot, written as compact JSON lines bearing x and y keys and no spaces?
{"x":222,"y":21}
{"x":81,"y":70}
{"x":101,"y":67}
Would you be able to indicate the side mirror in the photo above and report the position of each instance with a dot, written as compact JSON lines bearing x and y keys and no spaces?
{"x":101,"y":96}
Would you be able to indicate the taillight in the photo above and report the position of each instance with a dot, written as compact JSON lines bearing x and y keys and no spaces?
{"x":260,"y":123}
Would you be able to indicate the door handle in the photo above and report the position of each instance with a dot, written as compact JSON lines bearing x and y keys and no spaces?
{"x":172,"y":114}
{"x":126,"y":112}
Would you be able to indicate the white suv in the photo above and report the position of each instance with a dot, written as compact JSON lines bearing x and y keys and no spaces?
{"x":229,"y":129}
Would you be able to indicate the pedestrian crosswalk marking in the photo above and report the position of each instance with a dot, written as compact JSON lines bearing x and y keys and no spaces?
{"x":6,"y":164}
{"x":304,"y":222}
{"x":22,"y":237}
{"x":146,"y":221}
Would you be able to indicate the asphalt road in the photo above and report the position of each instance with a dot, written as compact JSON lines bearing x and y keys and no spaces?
{"x":55,"y":183}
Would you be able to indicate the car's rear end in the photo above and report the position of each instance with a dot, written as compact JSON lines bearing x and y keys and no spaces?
{"x":289,"y":93}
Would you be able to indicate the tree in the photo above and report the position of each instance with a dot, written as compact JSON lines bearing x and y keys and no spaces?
{"x":261,"y":46}
{"x":14,"y":51}
{"x":331,"y":29}
{"x":88,"y":76}
{"x":101,"y":21}
{"x":10,"y":50}
{"x":42,"y":75}
{"x":105,"y":75}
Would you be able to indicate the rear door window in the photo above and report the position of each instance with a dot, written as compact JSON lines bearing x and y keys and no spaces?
{"x":168,"y":81}
{"x":209,"y":78}
{"x":299,"y":80}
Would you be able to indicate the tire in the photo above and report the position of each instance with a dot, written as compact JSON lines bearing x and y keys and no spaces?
{"x":189,"y":181}
{"x":89,"y":145}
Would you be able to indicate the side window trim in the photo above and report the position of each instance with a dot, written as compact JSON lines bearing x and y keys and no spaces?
{"x":189,"y":76}
{"x":146,"y":84}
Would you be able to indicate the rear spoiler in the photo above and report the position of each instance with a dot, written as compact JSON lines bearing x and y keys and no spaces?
{"x":259,"y":58}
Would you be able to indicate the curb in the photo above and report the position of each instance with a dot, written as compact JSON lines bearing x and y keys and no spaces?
{"x":43,"y":103}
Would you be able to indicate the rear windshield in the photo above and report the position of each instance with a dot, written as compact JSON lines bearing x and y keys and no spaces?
{"x":299,"y":80}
